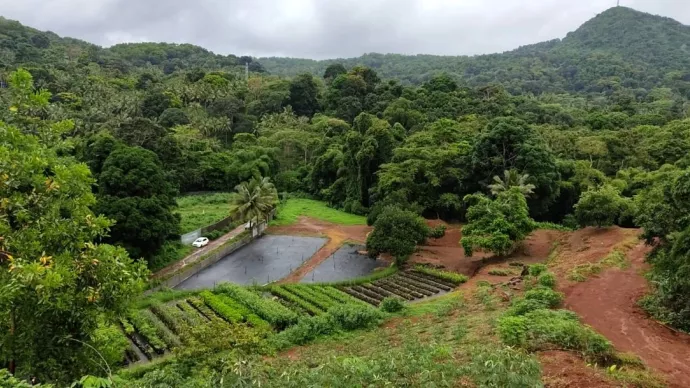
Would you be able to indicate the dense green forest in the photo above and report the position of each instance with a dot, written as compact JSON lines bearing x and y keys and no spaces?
{"x":619,"y":48}
{"x":96,"y":143}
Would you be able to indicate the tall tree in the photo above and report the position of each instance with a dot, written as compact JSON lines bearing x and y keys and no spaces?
{"x":254,"y":200}
{"x":304,"y":95}
{"x":136,"y":193}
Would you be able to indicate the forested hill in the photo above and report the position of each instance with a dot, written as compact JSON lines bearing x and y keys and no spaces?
{"x":620,"y":46}
{"x":25,"y":46}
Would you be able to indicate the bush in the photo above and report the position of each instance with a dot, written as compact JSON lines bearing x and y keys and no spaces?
{"x":437,"y":232}
{"x":547,"y":279}
{"x":537,"y":269}
{"x":344,"y":317}
{"x":353,"y":317}
{"x":392,"y":305}
{"x":550,"y":297}
{"x":543,"y":329}
{"x":523,"y":306}
{"x":513,"y":330}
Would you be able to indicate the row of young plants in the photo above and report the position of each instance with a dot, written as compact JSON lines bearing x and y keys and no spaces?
{"x":410,"y":285}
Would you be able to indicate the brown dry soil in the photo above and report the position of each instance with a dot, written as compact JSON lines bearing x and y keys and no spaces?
{"x":566,"y":370}
{"x":608,"y":303}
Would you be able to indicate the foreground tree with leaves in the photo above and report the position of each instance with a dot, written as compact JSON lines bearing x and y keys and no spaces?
{"x":497,"y":225}
{"x":56,"y":285}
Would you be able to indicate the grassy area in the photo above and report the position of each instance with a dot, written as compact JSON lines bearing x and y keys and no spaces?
{"x":171,"y":252}
{"x":289,"y":211}
{"x":201,"y":210}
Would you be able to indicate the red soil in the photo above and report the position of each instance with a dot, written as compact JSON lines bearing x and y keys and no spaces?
{"x":566,"y":370}
{"x":608,"y":304}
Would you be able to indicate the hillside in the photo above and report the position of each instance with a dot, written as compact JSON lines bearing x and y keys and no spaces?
{"x":25,"y":46}
{"x":620,"y":45}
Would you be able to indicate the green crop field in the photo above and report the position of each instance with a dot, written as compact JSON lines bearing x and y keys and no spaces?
{"x":294,"y":208}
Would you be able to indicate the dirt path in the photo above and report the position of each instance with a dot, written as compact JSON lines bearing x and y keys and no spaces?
{"x":192,"y":258}
{"x":608,"y":304}
{"x":337,"y":235}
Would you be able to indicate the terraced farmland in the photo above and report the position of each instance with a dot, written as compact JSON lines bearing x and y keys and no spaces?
{"x":163,"y":327}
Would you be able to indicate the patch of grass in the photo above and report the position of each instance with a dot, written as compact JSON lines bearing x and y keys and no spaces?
{"x":500,"y":272}
{"x":290,"y":210}
{"x":163,"y":296}
{"x":171,"y":252}
{"x":583,"y":271}
{"x":552,"y":226}
{"x":453,"y":277}
{"x":202,"y":210}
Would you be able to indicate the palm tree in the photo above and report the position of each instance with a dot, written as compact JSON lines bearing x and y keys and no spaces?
{"x":253,"y":200}
{"x":511,"y":178}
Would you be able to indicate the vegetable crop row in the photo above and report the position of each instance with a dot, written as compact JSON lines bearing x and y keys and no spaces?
{"x":419,"y":284}
{"x":452,"y":277}
{"x":271,"y":311}
{"x":321,"y":301}
{"x":289,"y":296}
{"x":360,"y":296}
{"x":340,"y":296}
{"x":144,"y":327}
{"x":224,"y":311}
{"x":170,"y":339}
{"x":434,"y":282}
{"x":248,"y":316}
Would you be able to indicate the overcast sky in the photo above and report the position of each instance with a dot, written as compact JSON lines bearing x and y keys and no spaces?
{"x":324,"y":28}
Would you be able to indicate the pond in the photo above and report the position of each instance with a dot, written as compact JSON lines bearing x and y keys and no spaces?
{"x":344,"y":264}
{"x":262,"y":261}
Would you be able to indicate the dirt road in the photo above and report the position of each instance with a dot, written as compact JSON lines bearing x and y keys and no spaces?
{"x":608,"y":303}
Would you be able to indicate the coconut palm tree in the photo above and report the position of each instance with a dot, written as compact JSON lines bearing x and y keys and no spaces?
{"x":253,"y":200}
{"x":512,"y":178}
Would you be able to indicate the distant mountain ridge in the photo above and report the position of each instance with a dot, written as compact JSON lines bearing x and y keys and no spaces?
{"x":620,"y":45}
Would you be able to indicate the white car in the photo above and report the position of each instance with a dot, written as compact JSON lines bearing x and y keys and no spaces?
{"x":200,"y":242}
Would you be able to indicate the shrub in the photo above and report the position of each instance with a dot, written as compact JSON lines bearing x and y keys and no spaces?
{"x":344,"y":317}
{"x":550,"y":297}
{"x":506,"y":367}
{"x":544,"y":329}
{"x":392,"y":305}
{"x":350,"y":317}
{"x":547,"y":279}
{"x":452,"y":277}
{"x":271,"y":311}
{"x":537,"y":269}
{"x":513,"y":330}
{"x":522,"y":306}
{"x":438,"y":231}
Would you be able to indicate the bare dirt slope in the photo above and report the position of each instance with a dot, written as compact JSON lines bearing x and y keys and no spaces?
{"x":608,"y":303}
